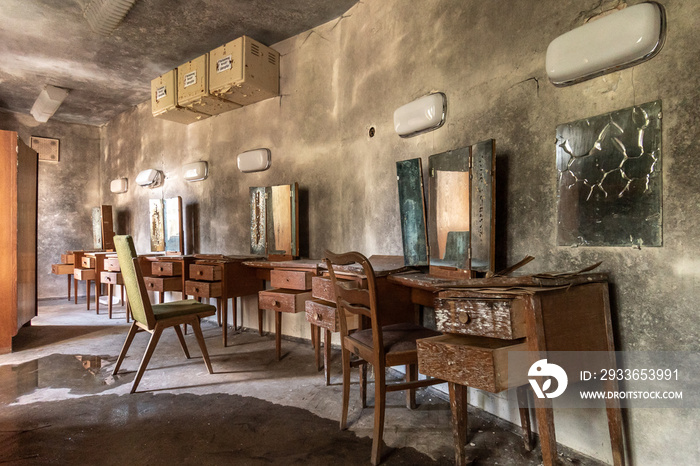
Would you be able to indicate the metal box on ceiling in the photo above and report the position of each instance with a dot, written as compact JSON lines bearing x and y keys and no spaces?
{"x":193,"y":88}
{"x":244,"y":71}
{"x":164,"y":101}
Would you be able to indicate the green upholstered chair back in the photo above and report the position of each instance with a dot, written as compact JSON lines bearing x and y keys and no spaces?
{"x":133,"y":281}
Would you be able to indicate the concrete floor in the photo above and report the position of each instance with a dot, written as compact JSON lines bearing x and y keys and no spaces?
{"x":59,"y":404}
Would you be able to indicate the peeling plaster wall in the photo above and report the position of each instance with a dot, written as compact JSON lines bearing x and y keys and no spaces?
{"x":348,"y":75}
{"x":68,"y":190}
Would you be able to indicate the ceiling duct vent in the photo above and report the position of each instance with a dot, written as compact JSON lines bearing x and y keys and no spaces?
{"x":104,"y":16}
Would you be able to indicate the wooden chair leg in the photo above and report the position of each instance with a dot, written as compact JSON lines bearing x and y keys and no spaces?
{"x":152,"y":343}
{"x":128,"y":310}
{"x":458,"y":405}
{"x":346,"y":389}
{"x":181,"y":337}
{"x":379,"y":407}
{"x":363,"y":384}
{"x":202,"y":345}
{"x":522,"y":393}
{"x":411,"y":376}
{"x":327,"y":356}
{"x":129,"y":338}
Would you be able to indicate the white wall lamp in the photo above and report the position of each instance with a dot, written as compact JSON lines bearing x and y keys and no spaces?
{"x":195,"y":171}
{"x":150,"y":178}
{"x":118,"y":186}
{"x":50,"y":98}
{"x":614,"y":42}
{"x":104,"y":16}
{"x":254,"y":160}
{"x":420,"y":116}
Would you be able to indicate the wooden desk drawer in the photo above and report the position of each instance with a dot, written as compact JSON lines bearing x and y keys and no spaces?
{"x":163,"y":283}
{"x":210,"y":273}
{"x":471,"y":361}
{"x":203,"y":289}
{"x":291,"y":279}
{"x":495,"y":318}
{"x":112,"y":278}
{"x":283,"y":300}
{"x":84,"y":274}
{"x":322,"y":287}
{"x":112,"y":264}
{"x":62,"y":269}
{"x":88,"y":262}
{"x":166,"y":269}
{"x":68,"y":258}
{"x":322,"y":313}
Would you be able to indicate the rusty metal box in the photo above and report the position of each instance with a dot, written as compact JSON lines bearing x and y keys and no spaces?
{"x":244,"y":71}
{"x":193,"y":88}
{"x":164,"y":101}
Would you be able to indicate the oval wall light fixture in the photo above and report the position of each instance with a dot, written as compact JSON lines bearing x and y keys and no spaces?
{"x":612,"y":43}
{"x":420,"y":116}
{"x":118,"y":186}
{"x":255,"y":160}
{"x":150,"y":178}
{"x":195,"y":171}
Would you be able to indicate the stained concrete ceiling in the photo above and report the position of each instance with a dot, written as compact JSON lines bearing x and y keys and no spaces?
{"x":49,"y":42}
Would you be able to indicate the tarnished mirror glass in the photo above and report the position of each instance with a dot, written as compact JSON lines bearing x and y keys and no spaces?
{"x":409,"y":174}
{"x":258,"y":238}
{"x":449,"y":222}
{"x":156,"y":224}
{"x":172,"y":225}
{"x":483,"y":197}
{"x":282,"y":224}
{"x":96,"y":228}
{"x":609,"y":169}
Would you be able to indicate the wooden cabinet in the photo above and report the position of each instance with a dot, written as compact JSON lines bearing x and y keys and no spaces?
{"x":18,"y":206}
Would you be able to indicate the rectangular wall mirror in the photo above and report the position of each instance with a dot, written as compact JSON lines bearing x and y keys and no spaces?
{"x":102,"y":228}
{"x":409,"y":175}
{"x":165,"y":225}
{"x":461,"y":211}
{"x":274,"y":221}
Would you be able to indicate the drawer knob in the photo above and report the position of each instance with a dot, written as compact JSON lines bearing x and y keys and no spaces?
{"x":151,"y":285}
{"x":161,"y":269}
{"x":196,"y":290}
{"x":276,"y":303}
{"x":464,"y":317}
{"x":109,"y":279}
{"x":319,"y":317}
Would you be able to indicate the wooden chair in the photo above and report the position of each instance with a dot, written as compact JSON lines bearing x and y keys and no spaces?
{"x":380,"y":345}
{"x":155,"y":318}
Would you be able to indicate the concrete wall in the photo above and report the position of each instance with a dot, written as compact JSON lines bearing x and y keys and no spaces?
{"x":68,"y":190}
{"x":344,"y":77}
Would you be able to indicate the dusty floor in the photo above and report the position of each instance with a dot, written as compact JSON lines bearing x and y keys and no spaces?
{"x":59,"y":404}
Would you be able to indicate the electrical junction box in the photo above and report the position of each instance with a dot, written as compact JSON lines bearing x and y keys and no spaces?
{"x":193,"y":88}
{"x":244,"y":71}
{"x":164,"y":101}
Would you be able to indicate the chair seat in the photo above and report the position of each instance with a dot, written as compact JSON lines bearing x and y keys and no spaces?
{"x":182,"y":308}
{"x":397,"y":337}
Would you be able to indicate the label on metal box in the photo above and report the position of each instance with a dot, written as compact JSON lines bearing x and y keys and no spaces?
{"x":161,"y":92}
{"x":223,"y":64}
{"x":191,"y":78}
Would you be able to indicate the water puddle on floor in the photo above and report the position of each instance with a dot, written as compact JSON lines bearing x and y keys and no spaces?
{"x":81,"y":374}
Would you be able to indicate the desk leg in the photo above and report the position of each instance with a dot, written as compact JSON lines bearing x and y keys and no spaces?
{"x":525,"y":416}
{"x":98,"y":292}
{"x":260,"y":321}
{"x":278,"y":334}
{"x":316,"y":339}
{"x":327,"y":356}
{"x":70,"y":275}
{"x":121,"y":302}
{"x":545,"y":421}
{"x":75,"y":289}
{"x":87,"y":294}
{"x":224,"y":318}
{"x":458,"y":406}
{"x":161,"y":297}
{"x":110,"y":294}
{"x":411,"y":376}
{"x":612,"y":408}
{"x":234,"y":313}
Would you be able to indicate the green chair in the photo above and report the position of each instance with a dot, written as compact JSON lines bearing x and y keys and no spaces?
{"x":157,"y":317}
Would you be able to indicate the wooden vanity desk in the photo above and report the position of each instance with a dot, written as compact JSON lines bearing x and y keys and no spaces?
{"x":483,"y":319}
{"x":222,"y":277}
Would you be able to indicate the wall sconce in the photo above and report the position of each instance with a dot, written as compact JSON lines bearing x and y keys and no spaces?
{"x":50,"y":98}
{"x":614,"y":42}
{"x":421,"y":115}
{"x":104,"y":16}
{"x":195,"y":171}
{"x":118,"y":186}
{"x":150,"y":178}
{"x":254,"y":160}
